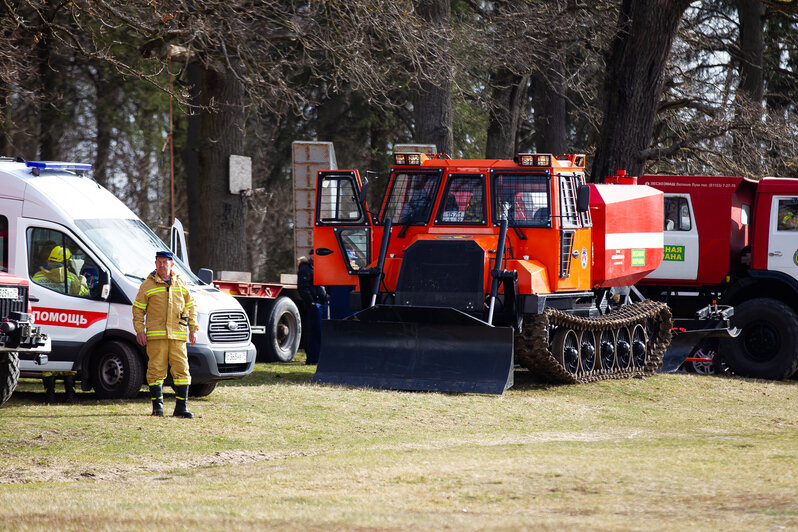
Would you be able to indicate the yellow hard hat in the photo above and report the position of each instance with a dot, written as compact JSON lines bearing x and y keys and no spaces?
{"x":57,"y":254}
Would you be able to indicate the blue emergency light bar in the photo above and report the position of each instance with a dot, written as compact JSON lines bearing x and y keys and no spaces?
{"x":58,"y":165}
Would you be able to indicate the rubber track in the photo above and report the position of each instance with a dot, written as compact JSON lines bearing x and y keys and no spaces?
{"x":9,"y":373}
{"x":533,"y":349}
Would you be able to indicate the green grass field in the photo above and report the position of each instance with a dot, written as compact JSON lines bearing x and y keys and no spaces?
{"x":670,"y":452}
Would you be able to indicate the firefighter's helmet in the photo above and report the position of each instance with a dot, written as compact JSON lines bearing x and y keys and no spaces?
{"x":57,"y":254}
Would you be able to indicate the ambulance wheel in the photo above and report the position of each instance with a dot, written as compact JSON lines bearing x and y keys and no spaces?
{"x":201,"y":390}
{"x":767,"y":347}
{"x":283,"y":332}
{"x":117,"y":371}
{"x":9,"y":374}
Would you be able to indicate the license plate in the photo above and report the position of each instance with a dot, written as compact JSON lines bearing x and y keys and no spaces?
{"x":8,"y":293}
{"x":235,"y":357}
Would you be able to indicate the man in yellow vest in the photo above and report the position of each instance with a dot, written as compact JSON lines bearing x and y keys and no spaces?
{"x":171,"y":320}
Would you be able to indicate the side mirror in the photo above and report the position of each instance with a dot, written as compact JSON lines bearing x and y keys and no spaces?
{"x":364,"y":192}
{"x":205,"y":275}
{"x":105,"y":283}
{"x":583,"y":198}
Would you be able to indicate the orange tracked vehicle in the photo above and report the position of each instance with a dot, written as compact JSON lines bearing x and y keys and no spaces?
{"x":472,"y":266}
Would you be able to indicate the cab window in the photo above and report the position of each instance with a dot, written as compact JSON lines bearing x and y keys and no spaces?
{"x":464,"y":201}
{"x":338,"y":200}
{"x":56,"y":262}
{"x":522,"y":199}
{"x":788,"y":215}
{"x":677,"y":214}
{"x":411,"y":198}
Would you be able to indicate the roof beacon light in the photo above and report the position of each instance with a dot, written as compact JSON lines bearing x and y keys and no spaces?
{"x":400,"y":158}
{"x":58,"y":165}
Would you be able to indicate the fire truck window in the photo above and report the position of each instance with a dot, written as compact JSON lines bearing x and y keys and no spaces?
{"x":57,"y":263}
{"x":338,"y":201}
{"x":411,"y":198}
{"x":4,"y":242}
{"x":522,"y":199}
{"x":465,"y":201}
{"x":788,"y":215}
{"x":677,"y":214}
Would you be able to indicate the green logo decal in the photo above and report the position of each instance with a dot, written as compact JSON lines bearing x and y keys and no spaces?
{"x":675,"y":253}
{"x":638,"y":257}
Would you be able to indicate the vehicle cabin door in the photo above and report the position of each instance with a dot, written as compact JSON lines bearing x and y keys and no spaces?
{"x":66,"y":285}
{"x":342,"y":230}
{"x":783,"y":239}
{"x":681,"y":240}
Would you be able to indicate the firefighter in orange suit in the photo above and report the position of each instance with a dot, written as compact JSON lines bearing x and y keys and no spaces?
{"x":171,"y":320}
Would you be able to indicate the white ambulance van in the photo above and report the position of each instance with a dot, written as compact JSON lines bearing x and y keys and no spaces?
{"x":52,"y":215}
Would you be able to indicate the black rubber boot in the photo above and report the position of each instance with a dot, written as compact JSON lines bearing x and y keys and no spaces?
{"x":49,"y":389}
{"x":156,"y":394}
{"x":69,"y":388}
{"x":181,"y":394}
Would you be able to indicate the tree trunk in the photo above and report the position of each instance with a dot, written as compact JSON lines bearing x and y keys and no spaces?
{"x":751,"y":15}
{"x":432,"y":102}
{"x":550,"y":135}
{"x":190,"y":155}
{"x":507,"y":92}
{"x":633,"y":83}
{"x":107,"y":92}
{"x":221,"y":242}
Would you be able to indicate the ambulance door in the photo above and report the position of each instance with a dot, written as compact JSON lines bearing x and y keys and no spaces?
{"x":783,"y":239}
{"x":69,"y":289}
{"x":680,"y":260}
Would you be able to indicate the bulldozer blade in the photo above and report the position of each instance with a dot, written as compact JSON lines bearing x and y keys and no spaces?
{"x":416,"y":348}
{"x":683,"y":343}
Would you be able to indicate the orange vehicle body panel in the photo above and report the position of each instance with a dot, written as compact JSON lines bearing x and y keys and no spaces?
{"x":535,"y":253}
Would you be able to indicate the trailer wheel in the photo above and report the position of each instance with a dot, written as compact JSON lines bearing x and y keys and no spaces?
{"x":283,"y":333}
{"x":767,"y":347}
{"x":117,"y":371}
{"x":9,"y":375}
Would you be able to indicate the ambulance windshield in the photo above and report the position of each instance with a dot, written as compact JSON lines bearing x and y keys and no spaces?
{"x":130,"y":245}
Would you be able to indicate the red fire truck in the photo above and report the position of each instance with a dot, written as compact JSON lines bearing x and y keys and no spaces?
{"x":734,"y":241}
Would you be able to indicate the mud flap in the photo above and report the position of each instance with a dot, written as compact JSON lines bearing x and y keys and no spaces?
{"x":683,"y":343}
{"x":416,"y":348}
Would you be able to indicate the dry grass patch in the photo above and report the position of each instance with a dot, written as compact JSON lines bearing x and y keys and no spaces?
{"x":273,"y":451}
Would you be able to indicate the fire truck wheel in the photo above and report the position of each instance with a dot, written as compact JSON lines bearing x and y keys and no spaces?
{"x":117,"y":371}
{"x":767,"y":347}
{"x":9,"y":374}
{"x":283,"y":333}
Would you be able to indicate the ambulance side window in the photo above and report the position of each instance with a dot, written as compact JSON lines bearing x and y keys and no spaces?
{"x":56,"y":262}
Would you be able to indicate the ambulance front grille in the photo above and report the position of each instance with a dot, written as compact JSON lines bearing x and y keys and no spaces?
{"x":228,"y":326}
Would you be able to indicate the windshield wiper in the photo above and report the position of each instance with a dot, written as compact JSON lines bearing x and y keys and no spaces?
{"x":134,"y":276}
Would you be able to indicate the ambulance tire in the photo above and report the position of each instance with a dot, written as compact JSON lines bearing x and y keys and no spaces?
{"x":767,"y":347}
{"x":9,"y":374}
{"x":283,"y":332}
{"x":201,"y":390}
{"x":117,"y":371}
